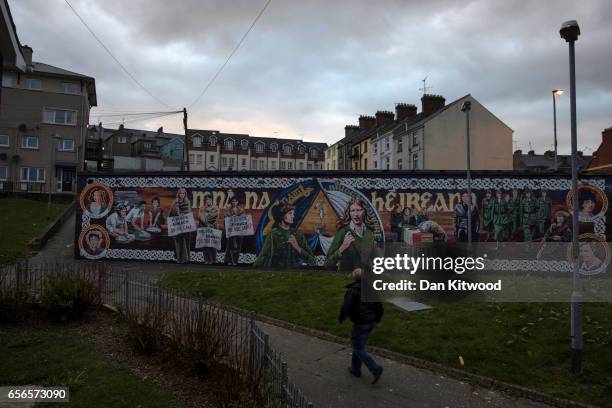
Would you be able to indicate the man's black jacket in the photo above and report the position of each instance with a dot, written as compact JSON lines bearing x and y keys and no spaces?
{"x":358,"y":311}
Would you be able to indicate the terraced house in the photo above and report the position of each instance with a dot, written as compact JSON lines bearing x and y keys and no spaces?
{"x":211,"y":150}
{"x":43,"y":125}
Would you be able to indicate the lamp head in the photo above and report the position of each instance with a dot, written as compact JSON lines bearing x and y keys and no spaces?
{"x":569,"y":30}
{"x":557,"y":92}
{"x":466,"y":106}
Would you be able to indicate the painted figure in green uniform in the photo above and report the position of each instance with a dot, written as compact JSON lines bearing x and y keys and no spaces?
{"x":529,"y":208}
{"x":544,"y":212}
{"x":514,"y":208}
{"x":487,"y":214}
{"x":353,"y":244}
{"x":285,"y":246}
{"x":501,"y":218}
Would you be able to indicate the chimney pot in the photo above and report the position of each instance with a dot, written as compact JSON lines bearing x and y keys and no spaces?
{"x":405,"y":111}
{"x":432,"y":103}
{"x":350,"y":131}
{"x":531,"y":153}
{"x":384,"y":118}
{"x":606,"y":135}
{"x":366,"y":123}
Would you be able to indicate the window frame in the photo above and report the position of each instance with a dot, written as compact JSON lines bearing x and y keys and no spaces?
{"x":28,"y":82}
{"x":8,"y":141}
{"x":55,"y":122}
{"x":6,"y":176}
{"x":61,"y":145}
{"x":196,"y":141}
{"x":38,"y":171}
{"x":228,"y":144}
{"x":24,"y":145}
{"x":65,"y":91}
{"x":259,"y":147}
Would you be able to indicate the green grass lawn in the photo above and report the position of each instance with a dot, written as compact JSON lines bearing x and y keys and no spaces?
{"x":20,"y":221}
{"x":525,"y":344}
{"x":54,"y":358}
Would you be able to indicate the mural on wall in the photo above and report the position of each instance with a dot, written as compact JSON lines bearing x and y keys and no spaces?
{"x":321,"y":221}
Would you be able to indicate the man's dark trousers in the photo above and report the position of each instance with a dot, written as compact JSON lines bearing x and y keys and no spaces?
{"x":359,"y":338}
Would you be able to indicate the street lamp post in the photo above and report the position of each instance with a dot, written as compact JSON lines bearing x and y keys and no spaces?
{"x":569,"y":32}
{"x":555,"y":92}
{"x":466,"y":107}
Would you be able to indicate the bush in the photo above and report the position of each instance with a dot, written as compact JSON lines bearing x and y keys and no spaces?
{"x":68,"y":295}
{"x":146,"y":329}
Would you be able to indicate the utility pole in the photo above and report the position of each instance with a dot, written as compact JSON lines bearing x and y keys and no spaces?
{"x":185,"y":149}
{"x":466,"y":107}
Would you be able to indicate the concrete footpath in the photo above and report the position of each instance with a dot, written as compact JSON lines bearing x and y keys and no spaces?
{"x":319,"y":367}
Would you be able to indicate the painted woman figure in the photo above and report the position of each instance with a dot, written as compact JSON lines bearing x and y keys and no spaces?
{"x":354,"y":242}
{"x":395,"y":221}
{"x":117,"y":226}
{"x":182,"y":241}
{"x":560,"y":230}
{"x":156,"y":214}
{"x":285,"y":246}
{"x":234,"y":244}
{"x":98,"y":203}
{"x":208,"y":216}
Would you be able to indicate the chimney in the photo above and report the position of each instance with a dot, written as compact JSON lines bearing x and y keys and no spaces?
{"x":366,"y":122}
{"x":384,"y":118}
{"x":350,"y":131}
{"x":549,"y":153}
{"x":580,"y":154}
{"x":518,"y":153}
{"x":431,"y":103}
{"x":606,"y":135}
{"x":531,"y":153}
{"x":160,"y":130}
{"x":27,"y":54}
{"x":405,"y":111}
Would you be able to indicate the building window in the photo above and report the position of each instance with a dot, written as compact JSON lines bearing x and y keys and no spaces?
{"x":197,"y":141}
{"x":3,"y":172}
{"x":375,"y":148}
{"x":4,"y":140}
{"x":399,"y":164}
{"x":231,"y":162}
{"x":243,"y":162}
{"x":66,"y":145}
{"x":387,"y":143}
{"x":211,"y":159}
{"x":287,"y":149}
{"x":244,"y":144}
{"x":314,"y":153}
{"x":387,"y":163}
{"x":147,"y":145}
{"x":70,"y":88}
{"x":309,"y":165}
{"x":273,"y":165}
{"x":356,"y":151}
{"x":289,"y":165}
{"x":191,"y":158}
{"x":274,"y":147}
{"x":259,"y":147}
{"x":262,"y":165}
{"x":375,"y":164}
{"x":122,"y":139}
{"x":213,"y":141}
{"x":414,"y":139}
{"x":415,"y":161}
{"x":301,"y":165}
{"x":198,"y":159}
{"x":59,"y":117}
{"x":224,"y":161}
{"x":29,"y":142}
{"x":229,"y":144}
{"x":7,"y":81}
{"x":399,"y":145}
{"x":365,"y":164}
{"x":365,"y":147}
{"x":254,"y":164}
{"x":33,"y":84}
{"x":35,"y":174}
{"x":282,"y":165}
{"x":301,"y":149}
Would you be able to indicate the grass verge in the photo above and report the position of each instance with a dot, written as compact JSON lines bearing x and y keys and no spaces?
{"x":524,"y":344}
{"x":21,"y":221}
{"x":53,"y":357}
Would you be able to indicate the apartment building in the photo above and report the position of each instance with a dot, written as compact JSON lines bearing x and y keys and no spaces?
{"x":433,"y":139}
{"x":43,"y":125}
{"x":125,"y":149}
{"x":211,"y":150}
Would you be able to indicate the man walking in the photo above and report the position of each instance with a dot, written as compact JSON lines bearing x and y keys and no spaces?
{"x":365,"y":317}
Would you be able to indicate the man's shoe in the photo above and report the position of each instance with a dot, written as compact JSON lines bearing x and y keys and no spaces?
{"x":377,"y":375}
{"x":354,"y":374}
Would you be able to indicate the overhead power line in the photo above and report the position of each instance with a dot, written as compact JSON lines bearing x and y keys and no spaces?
{"x":244,"y":36}
{"x":116,"y":60}
{"x":102,"y":115}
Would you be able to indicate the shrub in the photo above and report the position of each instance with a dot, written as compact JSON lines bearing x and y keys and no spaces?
{"x":146,"y":329}
{"x":68,"y":295}
{"x":15,"y":302}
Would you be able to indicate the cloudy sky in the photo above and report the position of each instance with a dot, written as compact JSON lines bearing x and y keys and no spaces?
{"x":308,"y":68}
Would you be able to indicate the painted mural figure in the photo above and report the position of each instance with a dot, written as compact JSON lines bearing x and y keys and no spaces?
{"x":395,"y":221}
{"x":234,"y":244}
{"x":98,"y":203}
{"x":544,"y":213}
{"x":514,"y":207}
{"x":136,"y":223}
{"x":529,"y":208}
{"x":587,"y":202}
{"x":182,"y":241}
{"x":285,"y":246}
{"x":354,"y":242}
{"x":156,"y":216}
{"x":560,"y":230}
{"x":117,"y":227}
{"x":208,"y":216}
{"x":460,"y":215}
{"x":501,"y":218}
{"x":94,"y":239}
{"x":487,"y":215}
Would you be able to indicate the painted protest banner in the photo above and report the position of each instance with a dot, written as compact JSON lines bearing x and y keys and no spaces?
{"x":180,"y":224}
{"x":209,"y":238}
{"x":239,"y":225}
